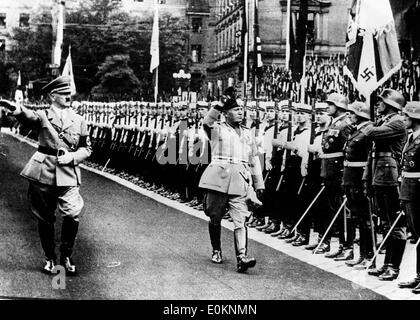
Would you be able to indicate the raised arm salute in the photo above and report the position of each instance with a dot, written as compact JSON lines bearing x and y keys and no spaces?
{"x":53,"y":171}
{"x":231,"y":177}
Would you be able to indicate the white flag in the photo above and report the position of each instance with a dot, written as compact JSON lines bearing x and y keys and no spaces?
{"x":59,"y":35}
{"x":154,"y":45}
{"x":373,"y":53}
{"x":68,"y":71}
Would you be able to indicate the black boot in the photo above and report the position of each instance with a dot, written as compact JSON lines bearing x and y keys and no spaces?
{"x":215,"y":232}
{"x":68,"y":236}
{"x":47,"y":236}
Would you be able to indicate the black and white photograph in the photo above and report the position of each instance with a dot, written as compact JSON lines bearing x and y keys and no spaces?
{"x":210,"y":156}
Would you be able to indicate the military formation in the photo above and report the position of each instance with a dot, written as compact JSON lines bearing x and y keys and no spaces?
{"x":344,"y":169}
{"x":325,"y":165}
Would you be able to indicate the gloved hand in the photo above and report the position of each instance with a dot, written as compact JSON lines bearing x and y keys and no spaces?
{"x":66,"y":157}
{"x":11,"y":106}
{"x":260,"y":194}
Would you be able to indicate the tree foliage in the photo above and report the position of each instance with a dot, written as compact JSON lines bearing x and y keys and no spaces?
{"x":101,"y":36}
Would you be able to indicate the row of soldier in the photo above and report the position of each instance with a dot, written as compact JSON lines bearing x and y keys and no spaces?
{"x":325,"y":165}
{"x":318,"y":161}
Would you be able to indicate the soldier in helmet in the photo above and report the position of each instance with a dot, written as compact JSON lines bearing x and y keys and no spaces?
{"x":410,"y":183}
{"x":355,"y":159}
{"x":333,"y":141}
{"x":230,"y":178}
{"x":381,"y":176}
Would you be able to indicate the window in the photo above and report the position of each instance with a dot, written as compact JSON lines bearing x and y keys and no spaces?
{"x":197,"y":24}
{"x":24,"y":20}
{"x":310,"y":31}
{"x":196,"y":53}
{"x":2,"y":20}
{"x":2,"y":45}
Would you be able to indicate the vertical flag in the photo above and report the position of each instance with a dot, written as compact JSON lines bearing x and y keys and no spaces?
{"x":258,"y":49}
{"x":18,"y":92}
{"x":372,"y":45}
{"x":68,"y":71}
{"x":245,"y":45}
{"x":258,"y":64}
{"x":154,"y":45}
{"x":58,"y":17}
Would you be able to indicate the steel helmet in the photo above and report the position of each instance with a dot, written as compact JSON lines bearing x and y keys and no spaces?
{"x":360,"y":109}
{"x":412,"y":109}
{"x":393,"y":98}
{"x":338,"y":100}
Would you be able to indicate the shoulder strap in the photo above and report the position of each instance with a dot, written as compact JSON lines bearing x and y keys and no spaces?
{"x":60,"y":133}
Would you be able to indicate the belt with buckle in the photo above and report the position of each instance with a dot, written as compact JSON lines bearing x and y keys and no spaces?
{"x":381,"y":154}
{"x":48,"y":151}
{"x":228,"y":159}
{"x":355,"y":164}
{"x":415,"y":175}
{"x":331,"y":155}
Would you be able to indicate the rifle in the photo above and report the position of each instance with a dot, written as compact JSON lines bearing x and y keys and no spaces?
{"x":287,"y":152}
{"x":139,"y":135}
{"x":170,"y":124}
{"x":159,"y":136}
{"x":144,"y":133}
{"x":275,"y":135}
{"x":152,"y":136}
{"x":311,"y":141}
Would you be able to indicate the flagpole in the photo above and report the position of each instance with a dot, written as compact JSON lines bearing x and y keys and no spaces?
{"x":156,"y":84}
{"x":246,"y":40}
{"x":287,"y":61}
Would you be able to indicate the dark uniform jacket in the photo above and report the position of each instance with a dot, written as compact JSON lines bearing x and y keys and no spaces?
{"x":333,"y":141}
{"x":410,"y":185}
{"x":383,"y":162}
{"x":355,"y":156}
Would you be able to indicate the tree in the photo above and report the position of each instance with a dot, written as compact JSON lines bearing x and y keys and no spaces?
{"x":98,"y":30}
{"x":117,"y":79}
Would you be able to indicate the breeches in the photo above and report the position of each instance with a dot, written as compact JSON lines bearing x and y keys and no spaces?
{"x":45,"y":199}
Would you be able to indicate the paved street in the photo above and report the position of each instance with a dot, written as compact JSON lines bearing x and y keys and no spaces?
{"x":132,"y":247}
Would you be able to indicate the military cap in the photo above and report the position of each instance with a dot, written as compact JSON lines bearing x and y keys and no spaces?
{"x":321,"y":107}
{"x":412,"y":109}
{"x":202,"y":104}
{"x":393,"y":98}
{"x":302,"y":107}
{"x":360,"y":109}
{"x":268,"y":104}
{"x":251,"y":105}
{"x":229,"y":93}
{"x":60,"y":85}
{"x":338,"y":100}
{"x":284,"y":104}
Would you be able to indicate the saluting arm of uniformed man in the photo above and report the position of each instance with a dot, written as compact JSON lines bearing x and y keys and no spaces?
{"x":392,"y":129}
{"x":23,"y":115}
{"x":210,"y":124}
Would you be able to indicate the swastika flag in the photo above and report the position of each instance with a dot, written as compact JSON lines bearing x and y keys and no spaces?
{"x":372,"y":45}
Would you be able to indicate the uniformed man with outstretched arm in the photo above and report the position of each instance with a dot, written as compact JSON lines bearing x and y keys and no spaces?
{"x":53,"y":171}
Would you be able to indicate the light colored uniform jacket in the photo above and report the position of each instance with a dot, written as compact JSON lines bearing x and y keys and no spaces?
{"x":235,"y":163}
{"x":44,"y":168}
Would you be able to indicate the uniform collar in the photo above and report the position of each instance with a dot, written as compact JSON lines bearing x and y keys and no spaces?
{"x":338,"y":118}
{"x":361,"y":125}
{"x":416,"y":134}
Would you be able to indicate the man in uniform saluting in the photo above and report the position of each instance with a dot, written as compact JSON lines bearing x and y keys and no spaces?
{"x":228,"y":179}
{"x":53,"y":171}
